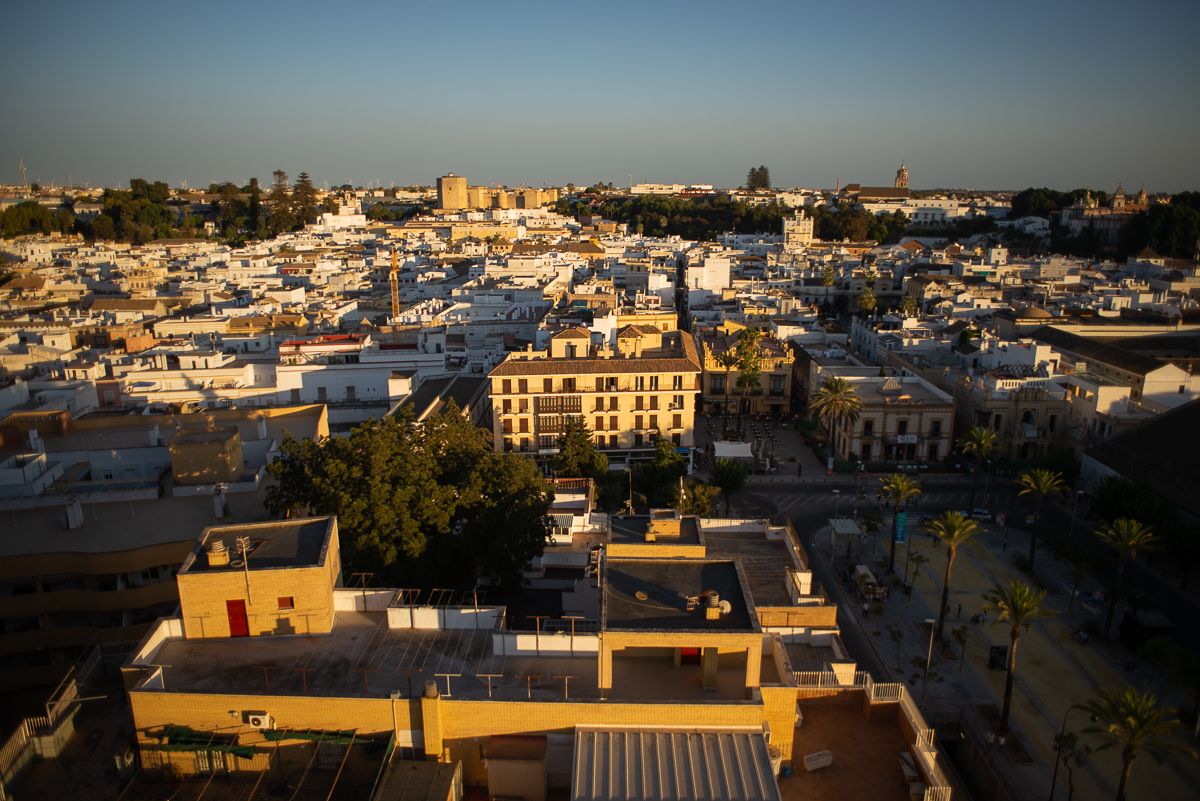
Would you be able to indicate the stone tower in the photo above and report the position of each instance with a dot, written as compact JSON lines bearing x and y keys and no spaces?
{"x":902,"y":177}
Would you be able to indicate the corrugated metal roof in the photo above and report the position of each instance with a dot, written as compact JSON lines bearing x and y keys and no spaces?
{"x":682,"y":765}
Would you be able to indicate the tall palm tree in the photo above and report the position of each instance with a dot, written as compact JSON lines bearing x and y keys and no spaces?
{"x":834,"y":402}
{"x":954,"y":529}
{"x":1127,"y":537}
{"x":749,"y":364}
{"x":1019,"y":605}
{"x":899,"y":489}
{"x":728,"y":360}
{"x":1135,"y":722}
{"x":978,"y":443}
{"x":1039,"y":482}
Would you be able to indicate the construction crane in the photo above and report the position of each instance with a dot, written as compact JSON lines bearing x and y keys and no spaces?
{"x":394,"y":283}
{"x":24,"y":179}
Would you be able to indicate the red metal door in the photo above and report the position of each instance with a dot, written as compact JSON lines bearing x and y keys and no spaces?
{"x":239,"y":626}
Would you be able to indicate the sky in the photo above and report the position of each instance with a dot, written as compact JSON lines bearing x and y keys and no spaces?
{"x":998,"y":95}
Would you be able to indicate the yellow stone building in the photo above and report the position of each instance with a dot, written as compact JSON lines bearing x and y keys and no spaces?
{"x":687,"y":640}
{"x":628,"y":395}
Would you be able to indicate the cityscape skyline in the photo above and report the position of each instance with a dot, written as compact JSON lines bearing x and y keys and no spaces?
{"x":555,"y":96}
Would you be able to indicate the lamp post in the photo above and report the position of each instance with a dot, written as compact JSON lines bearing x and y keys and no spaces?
{"x":1058,"y":751}
{"x":1070,"y":547}
{"x":928,"y":659}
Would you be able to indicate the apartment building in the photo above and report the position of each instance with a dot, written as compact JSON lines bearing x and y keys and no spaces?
{"x":104,"y":510}
{"x":629,"y":395}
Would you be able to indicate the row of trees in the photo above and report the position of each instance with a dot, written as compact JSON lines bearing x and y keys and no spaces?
{"x":1128,"y":719}
{"x":692,"y":218}
{"x":846,"y":221}
{"x":146,"y":211}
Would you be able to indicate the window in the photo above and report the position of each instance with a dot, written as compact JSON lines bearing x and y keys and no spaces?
{"x":653,"y":402}
{"x":287,"y":602}
{"x":612,"y":423}
{"x":637,"y":440}
{"x":638,"y":403}
{"x":612,"y":441}
{"x":569,"y":384}
{"x":639,"y":383}
{"x":523,"y":385}
{"x":677,"y":382}
{"x":637,"y":421}
{"x":599,"y":423}
{"x":508,"y":427}
{"x":654,"y":421}
{"x":717,"y":383}
{"x":868,"y":428}
{"x":547,"y":385}
{"x":677,"y":402}
{"x":677,"y":421}
{"x":600,"y":384}
{"x":653,"y":382}
{"x":676,"y":439}
{"x":1052,"y":423}
{"x":524,"y":425}
{"x":507,"y":386}
{"x":776,"y":385}
{"x":935,"y":429}
{"x":902,"y":427}
{"x":866,"y":452}
{"x":320,"y":393}
{"x":506,"y":407}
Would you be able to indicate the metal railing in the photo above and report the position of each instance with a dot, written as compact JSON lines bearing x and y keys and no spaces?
{"x":806,"y":679}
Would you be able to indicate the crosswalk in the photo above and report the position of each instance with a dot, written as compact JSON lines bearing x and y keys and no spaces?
{"x":947,"y":499}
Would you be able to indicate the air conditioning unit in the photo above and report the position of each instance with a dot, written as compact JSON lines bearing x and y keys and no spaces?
{"x":258,"y":720}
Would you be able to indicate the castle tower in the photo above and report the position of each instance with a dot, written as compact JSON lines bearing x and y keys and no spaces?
{"x":1118,"y":199}
{"x":902,"y":177}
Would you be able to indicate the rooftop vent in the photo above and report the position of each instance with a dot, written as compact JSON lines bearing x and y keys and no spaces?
{"x":218,"y":555}
{"x":712,"y":605}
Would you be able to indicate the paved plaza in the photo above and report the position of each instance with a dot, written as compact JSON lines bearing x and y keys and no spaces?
{"x":1054,"y":670}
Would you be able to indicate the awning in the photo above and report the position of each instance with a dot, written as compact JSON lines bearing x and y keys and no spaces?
{"x":727,"y":449}
{"x":335,"y":737}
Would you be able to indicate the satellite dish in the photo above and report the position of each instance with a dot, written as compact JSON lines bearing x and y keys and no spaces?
{"x":641,"y":596}
{"x":725,"y":607}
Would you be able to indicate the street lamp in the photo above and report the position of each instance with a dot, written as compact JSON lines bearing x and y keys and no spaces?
{"x":1062,"y":732}
{"x":1070,"y":549}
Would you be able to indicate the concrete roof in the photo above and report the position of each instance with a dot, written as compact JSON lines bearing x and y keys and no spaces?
{"x":685,"y":765}
{"x":652,"y":595}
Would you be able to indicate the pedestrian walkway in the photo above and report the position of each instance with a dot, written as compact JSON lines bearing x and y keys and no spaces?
{"x":1054,"y":670}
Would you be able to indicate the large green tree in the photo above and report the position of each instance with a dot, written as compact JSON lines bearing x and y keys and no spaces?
{"x":979,"y":443}
{"x":419,"y":503}
{"x":658,"y":479}
{"x":577,"y":456}
{"x":730,"y":476}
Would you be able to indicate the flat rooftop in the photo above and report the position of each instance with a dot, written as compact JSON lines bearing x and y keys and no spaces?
{"x":632,"y":529}
{"x":275,"y":544}
{"x":362,"y":657}
{"x":652,"y":595}
{"x":765,"y":562}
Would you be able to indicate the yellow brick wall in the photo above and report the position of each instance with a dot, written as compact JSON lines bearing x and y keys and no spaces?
{"x":202,"y":598}
{"x":814,"y":616}
{"x":660,"y":549}
{"x":779,"y":707}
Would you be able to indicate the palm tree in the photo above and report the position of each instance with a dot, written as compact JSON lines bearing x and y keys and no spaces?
{"x":1127,"y":537}
{"x":728,"y":360}
{"x":749,"y":364}
{"x":1019,"y":605}
{"x":1135,"y":722}
{"x":899,"y":488}
{"x":1038,"y":482}
{"x":978,"y":443}
{"x":954,"y":529}
{"x":908,"y":306}
{"x":834,"y":402}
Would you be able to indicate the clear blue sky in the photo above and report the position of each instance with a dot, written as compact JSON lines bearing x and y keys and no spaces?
{"x":999,"y":94}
